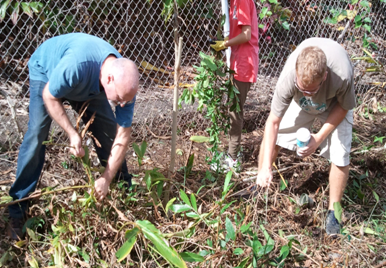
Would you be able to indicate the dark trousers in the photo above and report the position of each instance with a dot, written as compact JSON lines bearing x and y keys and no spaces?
{"x":237,"y":119}
{"x":32,"y":151}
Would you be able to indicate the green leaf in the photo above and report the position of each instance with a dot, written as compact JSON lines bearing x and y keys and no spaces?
{"x":338,"y":211}
{"x":33,"y":262}
{"x":243,"y":263}
{"x":245,"y":228}
{"x":194,"y":202}
{"x":125,"y":249}
{"x":265,"y":250}
{"x":26,"y":9}
{"x":136,"y":150}
{"x":376,"y":196}
{"x":185,"y":198}
{"x":226,"y":184}
{"x":367,"y":230}
{"x":238,"y":251}
{"x":285,"y":25}
{"x":367,"y":19}
{"x":227,"y":206}
{"x":199,"y":139}
{"x":209,"y":62}
{"x":178,"y":208}
{"x":191,"y":257}
{"x":171,"y":201}
{"x":36,"y":6}
{"x":167,"y":252}
{"x":143,"y":148}
{"x":148,"y":180}
{"x":86,"y":157}
{"x":367,"y":27}
{"x":365,"y":4}
{"x":283,"y":185}
{"x":181,"y":3}
{"x":3,"y":9}
{"x":15,"y":13}
{"x":270,"y":241}
{"x":230,"y":230}
{"x":193,"y":215}
{"x":284,"y":252}
{"x":331,"y":21}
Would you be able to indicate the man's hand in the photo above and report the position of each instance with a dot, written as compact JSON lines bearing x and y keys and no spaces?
{"x":264,"y":177}
{"x":76,"y":145}
{"x":218,"y":46}
{"x":311,"y":147}
{"x":101,"y":188}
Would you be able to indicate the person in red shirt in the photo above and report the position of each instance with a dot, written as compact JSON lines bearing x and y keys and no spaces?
{"x":244,"y":43}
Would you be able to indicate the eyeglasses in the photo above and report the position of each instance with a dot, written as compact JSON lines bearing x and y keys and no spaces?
{"x":120,"y":100}
{"x":308,"y":92}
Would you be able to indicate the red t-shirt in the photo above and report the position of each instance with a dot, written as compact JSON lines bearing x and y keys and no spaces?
{"x":244,"y":57}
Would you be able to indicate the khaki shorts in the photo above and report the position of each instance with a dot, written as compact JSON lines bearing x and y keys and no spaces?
{"x":336,"y":147}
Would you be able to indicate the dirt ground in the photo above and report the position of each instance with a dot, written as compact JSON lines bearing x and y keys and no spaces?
{"x":303,"y":176}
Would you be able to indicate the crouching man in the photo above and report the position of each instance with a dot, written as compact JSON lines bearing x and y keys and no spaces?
{"x":316,"y":82}
{"x":78,"y":68}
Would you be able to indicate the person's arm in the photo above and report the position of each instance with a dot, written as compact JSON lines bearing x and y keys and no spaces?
{"x":56,"y":110}
{"x":117,"y":155}
{"x":242,"y":38}
{"x":264,"y":177}
{"x":335,"y":117}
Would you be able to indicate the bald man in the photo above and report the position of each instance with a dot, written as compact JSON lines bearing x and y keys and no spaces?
{"x":78,"y":68}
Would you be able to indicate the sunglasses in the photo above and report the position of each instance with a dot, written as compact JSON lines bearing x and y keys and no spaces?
{"x":308,"y":92}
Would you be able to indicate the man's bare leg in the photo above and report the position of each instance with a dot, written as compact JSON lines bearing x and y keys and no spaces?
{"x":338,"y":180}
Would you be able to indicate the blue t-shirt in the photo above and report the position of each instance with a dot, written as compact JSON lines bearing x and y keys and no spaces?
{"x":72,"y":63}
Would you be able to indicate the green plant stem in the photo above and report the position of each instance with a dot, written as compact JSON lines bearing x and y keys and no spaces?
{"x":36,"y":195}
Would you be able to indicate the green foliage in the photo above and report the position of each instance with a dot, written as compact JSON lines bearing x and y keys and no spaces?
{"x":140,"y":151}
{"x":16,"y":8}
{"x":216,"y":95}
{"x":338,"y":211}
{"x":375,"y":65}
{"x":125,"y":249}
{"x":168,"y":7}
{"x":360,"y":15}
{"x":274,"y":13}
{"x":199,"y":139}
{"x":154,"y":235}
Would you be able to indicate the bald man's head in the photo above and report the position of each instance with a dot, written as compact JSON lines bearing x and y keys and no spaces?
{"x":126,"y":77}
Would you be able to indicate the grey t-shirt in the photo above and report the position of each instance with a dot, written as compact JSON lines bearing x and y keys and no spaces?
{"x":338,"y":87}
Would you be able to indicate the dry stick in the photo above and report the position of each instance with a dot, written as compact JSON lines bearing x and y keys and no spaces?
{"x":359,"y":253}
{"x":299,"y":250}
{"x":382,"y":264}
{"x":83,"y":110}
{"x":178,"y":52}
{"x":280,"y":174}
{"x":6,"y":182}
{"x":39,"y":194}
{"x":88,"y":125}
{"x":175,"y":105}
{"x":158,"y":137}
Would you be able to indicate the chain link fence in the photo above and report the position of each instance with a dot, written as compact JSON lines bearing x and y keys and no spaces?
{"x":139,"y":31}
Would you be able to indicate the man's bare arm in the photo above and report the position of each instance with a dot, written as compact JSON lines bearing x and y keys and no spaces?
{"x":267,"y":149}
{"x":335,"y":117}
{"x":117,"y":155}
{"x":56,"y":110}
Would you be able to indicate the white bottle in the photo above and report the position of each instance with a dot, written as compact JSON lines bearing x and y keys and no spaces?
{"x":303,"y":137}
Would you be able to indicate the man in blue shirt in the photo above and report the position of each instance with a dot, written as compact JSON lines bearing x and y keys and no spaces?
{"x":78,"y":68}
